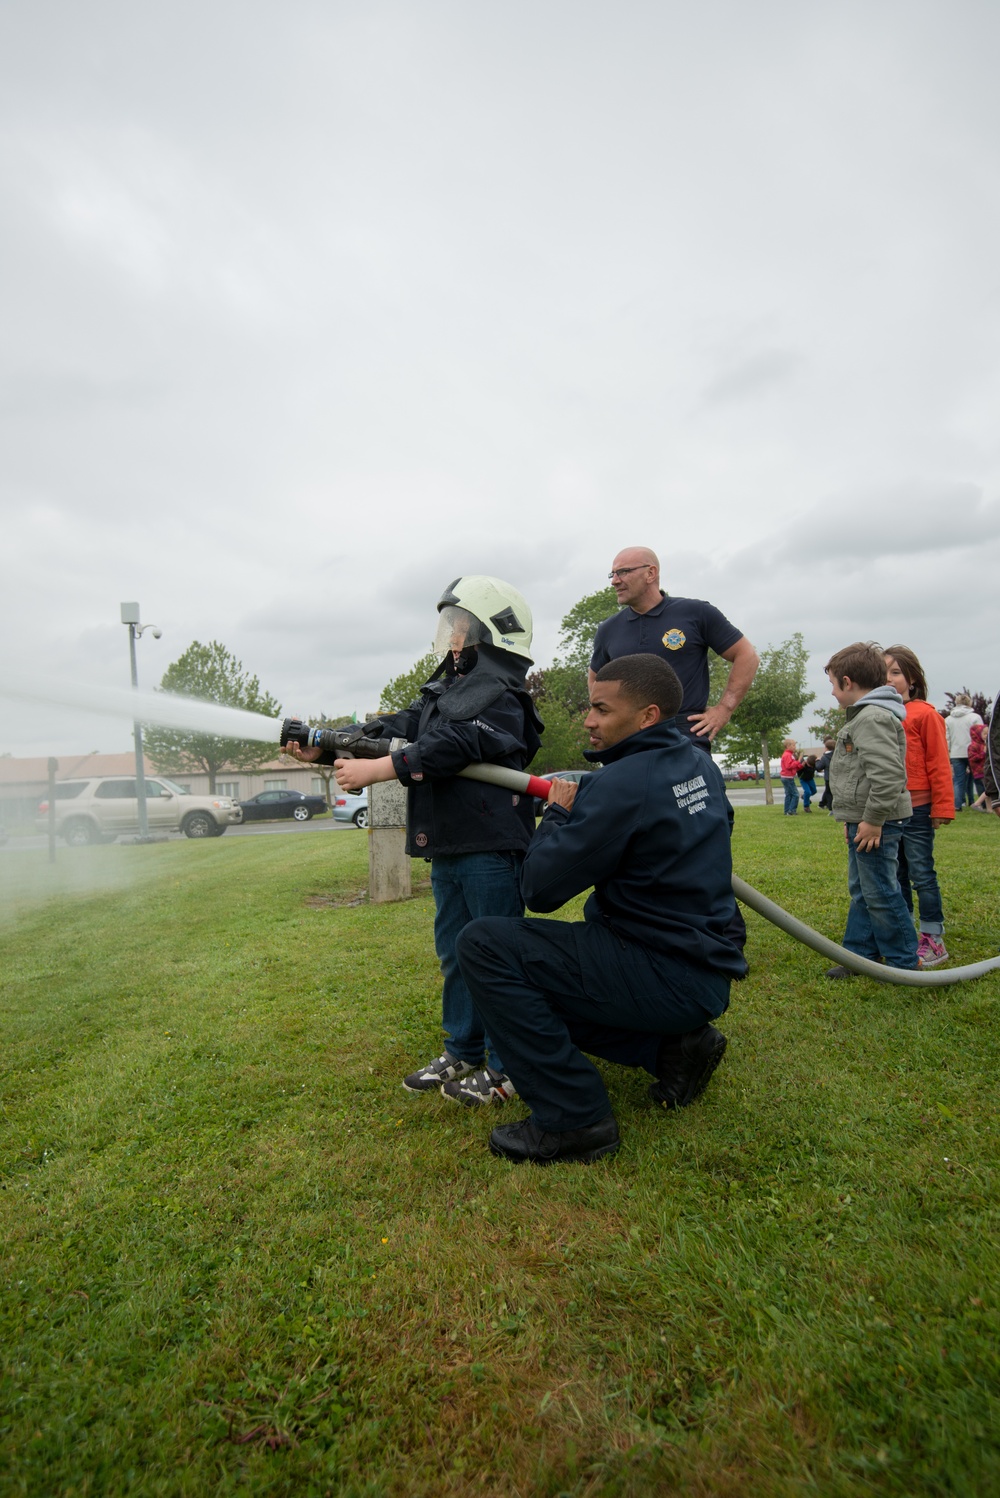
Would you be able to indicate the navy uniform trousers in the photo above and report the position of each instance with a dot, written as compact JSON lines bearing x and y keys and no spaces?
{"x":549,"y":990}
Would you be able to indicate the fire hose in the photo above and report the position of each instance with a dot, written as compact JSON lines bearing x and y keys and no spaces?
{"x":352,"y":741}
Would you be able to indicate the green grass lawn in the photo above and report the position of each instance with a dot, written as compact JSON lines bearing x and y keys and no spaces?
{"x":238,"y":1258}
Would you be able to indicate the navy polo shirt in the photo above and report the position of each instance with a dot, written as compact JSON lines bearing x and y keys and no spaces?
{"x":682,"y":631}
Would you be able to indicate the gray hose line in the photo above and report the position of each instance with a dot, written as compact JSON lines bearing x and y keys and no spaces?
{"x":517,"y":780}
{"x":908,"y":976}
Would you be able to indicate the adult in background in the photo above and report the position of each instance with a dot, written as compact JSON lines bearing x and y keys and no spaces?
{"x":639,"y":980}
{"x":958,"y":727}
{"x":680,"y":631}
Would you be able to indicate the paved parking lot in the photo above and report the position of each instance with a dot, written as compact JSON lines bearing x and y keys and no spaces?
{"x":744,"y":795}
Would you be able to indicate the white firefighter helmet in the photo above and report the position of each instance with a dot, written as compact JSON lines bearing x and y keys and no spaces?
{"x":481,"y":610}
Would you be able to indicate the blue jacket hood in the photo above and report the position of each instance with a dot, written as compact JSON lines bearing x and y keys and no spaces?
{"x":883,"y":697}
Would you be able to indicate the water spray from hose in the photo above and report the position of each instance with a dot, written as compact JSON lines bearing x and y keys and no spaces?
{"x":161,"y":708}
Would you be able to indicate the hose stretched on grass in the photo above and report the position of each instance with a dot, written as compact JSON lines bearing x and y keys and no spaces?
{"x":911,"y":977}
{"x":518,"y":780}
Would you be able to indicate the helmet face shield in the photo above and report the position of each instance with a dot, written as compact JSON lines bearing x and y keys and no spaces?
{"x":498,"y":613}
{"x":457,"y":629}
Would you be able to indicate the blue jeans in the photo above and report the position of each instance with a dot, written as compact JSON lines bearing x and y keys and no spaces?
{"x":916,"y":868}
{"x":878,"y":922}
{"x":808,"y":792}
{"x":962,"y":782}
{"x":791,"y":795}
{"x":467,"y":885}
{"x":550,"y":990}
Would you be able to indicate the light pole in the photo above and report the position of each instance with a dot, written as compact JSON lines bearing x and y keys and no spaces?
{"x":130,"y":616}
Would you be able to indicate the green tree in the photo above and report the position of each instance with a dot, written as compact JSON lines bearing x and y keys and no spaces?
{"x":718,"y":676}
{"x":560,"y":690}
{"x":563,"y":741}
{"x":579,"y":626}
{"x":829,"y":722}
{"x":772,"y":704}
{"x":405,"y":688}
{"x":566,"y":679}
{"x":210,"y":673}
{"x":326,"y":772}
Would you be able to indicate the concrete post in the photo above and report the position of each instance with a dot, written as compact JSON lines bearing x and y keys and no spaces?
{"x":388,"y":864}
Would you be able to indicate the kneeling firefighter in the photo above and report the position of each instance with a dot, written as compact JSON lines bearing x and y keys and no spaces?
{"x":474,"y":708}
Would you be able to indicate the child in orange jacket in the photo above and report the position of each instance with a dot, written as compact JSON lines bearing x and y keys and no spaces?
{"x":929,"y":782}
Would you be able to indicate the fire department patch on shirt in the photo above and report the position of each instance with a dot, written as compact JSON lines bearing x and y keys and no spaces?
{"x":674,"y":639}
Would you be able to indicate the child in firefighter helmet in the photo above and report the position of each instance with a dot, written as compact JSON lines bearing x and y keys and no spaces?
{"x":474,"y":708}
{"x":483,"y":611}
{"x":483,"y":636}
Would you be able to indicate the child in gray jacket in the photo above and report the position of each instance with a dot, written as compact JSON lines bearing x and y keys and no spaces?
{"x":868,"y":784}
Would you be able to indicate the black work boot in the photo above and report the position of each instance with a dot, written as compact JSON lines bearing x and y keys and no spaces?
{"x":684,"y":1065}
{"x":528,"y":1141}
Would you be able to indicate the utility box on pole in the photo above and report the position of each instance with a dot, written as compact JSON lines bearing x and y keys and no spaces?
{"x":388,"y":864}
{"x":130,"y":616}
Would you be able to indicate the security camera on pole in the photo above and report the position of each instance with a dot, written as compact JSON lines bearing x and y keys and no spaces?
{"x":130,"y":616}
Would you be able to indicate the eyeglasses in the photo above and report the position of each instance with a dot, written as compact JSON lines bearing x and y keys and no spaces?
{"x":624,"y":571}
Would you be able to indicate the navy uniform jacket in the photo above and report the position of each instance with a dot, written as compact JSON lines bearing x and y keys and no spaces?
{"x":650,"y":832}
{"x":446,"y":815}
{"x":681,"y":631}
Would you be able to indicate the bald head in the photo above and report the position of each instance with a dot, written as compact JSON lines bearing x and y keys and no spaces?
{"x":636,"y":578}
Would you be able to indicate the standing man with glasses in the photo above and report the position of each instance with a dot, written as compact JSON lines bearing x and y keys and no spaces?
{"x":681,"y":631}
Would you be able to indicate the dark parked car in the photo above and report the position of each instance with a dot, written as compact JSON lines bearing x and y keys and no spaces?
{"x":271,"y":806}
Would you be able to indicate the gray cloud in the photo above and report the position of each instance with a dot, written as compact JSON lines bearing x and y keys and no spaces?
{"x":307,"y":312}
{"x":752,"y":375}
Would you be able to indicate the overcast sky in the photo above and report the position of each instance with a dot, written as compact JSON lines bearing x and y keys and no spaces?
{"x":309,"y":308}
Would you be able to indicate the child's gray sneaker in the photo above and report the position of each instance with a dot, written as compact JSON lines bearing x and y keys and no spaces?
{"x":444,"y":1069}
{"x":480,"y":1087}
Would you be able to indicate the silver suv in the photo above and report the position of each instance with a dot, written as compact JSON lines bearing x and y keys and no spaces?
{"x":87,"y":811}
